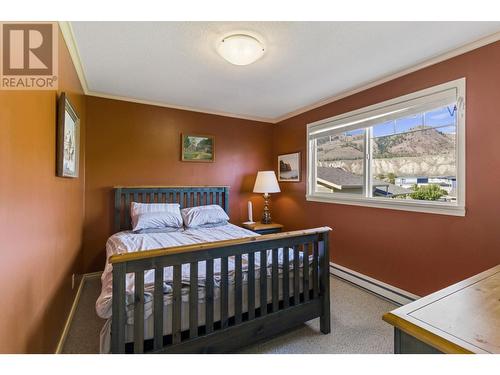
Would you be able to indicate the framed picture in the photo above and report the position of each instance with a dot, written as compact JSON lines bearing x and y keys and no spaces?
{"x":289,"y":167}
{"x":68,"y":138}
{"x":198,"y":148}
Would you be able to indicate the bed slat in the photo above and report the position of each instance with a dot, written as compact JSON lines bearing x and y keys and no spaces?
{"x":251,"y":286}
{"x":209,"y":296}
{"x":226,"y":201}
{"x":181,"y":198}
{"x":176,"y":304}
{"x":315,"y":270}
{"x":238,"y":300}
{"x":224,"y":292}
{"x":296,"y":275}
{"x":118,"y":208}
{"x":139,"y":312}
{"x":127,"y":210}
{"x":193,"y":300}
{"x":263,"y":283}
{"x":275,"y":291}
{"x":286,"y":277}
{"x":305,"y":271}
{"x":158,"y":309}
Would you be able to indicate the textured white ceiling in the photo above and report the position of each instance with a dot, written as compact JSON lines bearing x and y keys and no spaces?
{"x":175,"y":63}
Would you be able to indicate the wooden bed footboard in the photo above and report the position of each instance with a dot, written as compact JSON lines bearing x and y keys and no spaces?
{"x":230,"y":332}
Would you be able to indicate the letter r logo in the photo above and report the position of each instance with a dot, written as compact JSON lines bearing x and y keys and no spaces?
{"x":27,"y":49}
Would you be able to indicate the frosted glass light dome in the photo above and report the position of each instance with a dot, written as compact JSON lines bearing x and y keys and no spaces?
{"x":240,"y":49}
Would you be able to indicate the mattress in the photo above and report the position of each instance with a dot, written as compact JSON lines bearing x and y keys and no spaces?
{"x":127,"y":242}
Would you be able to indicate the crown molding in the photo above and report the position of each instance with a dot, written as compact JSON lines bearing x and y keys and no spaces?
{"x":445,"y":56}
{"x":173,"y":106}
{"x":69,"y":38}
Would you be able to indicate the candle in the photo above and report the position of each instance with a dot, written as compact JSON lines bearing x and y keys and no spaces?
{"x":250,"y":213}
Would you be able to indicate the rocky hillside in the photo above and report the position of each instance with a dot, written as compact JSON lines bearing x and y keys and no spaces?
{"x":420,"y":152}
{"x":341,"y":147}
{"x":418,"y":142}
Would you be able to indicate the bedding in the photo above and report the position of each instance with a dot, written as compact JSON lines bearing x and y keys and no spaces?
{"x":203,"y":215}
{"x":127,"y":241}
{"x":155,"y":215}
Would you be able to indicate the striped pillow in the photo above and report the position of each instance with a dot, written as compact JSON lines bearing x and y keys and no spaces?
{"x":155,"y":215}
{"x":202,"y":215}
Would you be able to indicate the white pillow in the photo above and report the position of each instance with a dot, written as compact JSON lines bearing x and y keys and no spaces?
{"x":155,"y":215}
{"x":201,"y":215}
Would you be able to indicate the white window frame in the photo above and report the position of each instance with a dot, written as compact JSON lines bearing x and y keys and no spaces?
{"x":345,"y":121}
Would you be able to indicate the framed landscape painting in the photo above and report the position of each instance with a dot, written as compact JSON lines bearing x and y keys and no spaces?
{"x":68,"y":139}
{"x":198,"y":148}
{"x":289,"y":167}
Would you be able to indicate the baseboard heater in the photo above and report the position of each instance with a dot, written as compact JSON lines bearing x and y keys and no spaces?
{"x":389,"y":292}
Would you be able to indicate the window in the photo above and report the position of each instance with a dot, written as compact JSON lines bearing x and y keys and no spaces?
{"x":407,"y":153}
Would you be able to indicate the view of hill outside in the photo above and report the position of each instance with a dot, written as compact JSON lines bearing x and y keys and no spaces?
{"x":342,"y":152}
{"x":412,"y":158}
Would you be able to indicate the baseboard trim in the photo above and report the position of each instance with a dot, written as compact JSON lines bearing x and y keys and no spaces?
{"x":71,"y":314}
{"x":389,"y":292}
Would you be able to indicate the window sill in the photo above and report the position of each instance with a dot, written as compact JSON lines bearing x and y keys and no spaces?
{"x":426,"y":207}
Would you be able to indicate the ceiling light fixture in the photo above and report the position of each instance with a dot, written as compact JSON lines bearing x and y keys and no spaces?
{"x":240,"y":49}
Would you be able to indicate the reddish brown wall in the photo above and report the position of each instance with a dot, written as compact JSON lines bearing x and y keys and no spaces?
{"x":414,"y":251}
{"x":136,"y":144}
{"x":41,"y":217}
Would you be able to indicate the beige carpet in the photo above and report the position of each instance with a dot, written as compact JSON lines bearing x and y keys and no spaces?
{"x":357,"y":326}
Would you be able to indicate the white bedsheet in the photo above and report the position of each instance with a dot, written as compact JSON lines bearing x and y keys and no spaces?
{"x":127,"y":242}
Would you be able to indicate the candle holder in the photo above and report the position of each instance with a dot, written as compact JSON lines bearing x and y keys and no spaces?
{"x":250,"y":214}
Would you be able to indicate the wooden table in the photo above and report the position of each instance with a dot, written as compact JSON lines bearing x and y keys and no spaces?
{"x":463,"y":318}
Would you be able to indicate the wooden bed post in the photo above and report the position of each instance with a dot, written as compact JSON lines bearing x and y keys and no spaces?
{"x":324,"y":283}
{"x":118,"y":317}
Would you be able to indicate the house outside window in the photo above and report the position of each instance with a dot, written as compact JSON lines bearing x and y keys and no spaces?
{"x":406,"y":153}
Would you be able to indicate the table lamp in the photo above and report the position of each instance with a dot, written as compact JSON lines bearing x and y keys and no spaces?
{"x":266,"y":183}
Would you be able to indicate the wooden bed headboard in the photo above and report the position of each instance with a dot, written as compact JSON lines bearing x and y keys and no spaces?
{"x":186,"y":196}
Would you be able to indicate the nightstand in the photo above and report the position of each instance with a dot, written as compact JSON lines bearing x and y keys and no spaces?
{"x":260,"y":228}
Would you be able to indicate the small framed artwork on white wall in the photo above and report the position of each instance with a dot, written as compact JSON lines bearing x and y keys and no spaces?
{"x":289,"y":167}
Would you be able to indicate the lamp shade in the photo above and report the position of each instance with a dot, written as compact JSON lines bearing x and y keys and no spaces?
{"x":266,"y":182}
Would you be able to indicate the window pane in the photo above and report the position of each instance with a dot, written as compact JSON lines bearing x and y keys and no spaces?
{"x":340,"y":163}
{"x":414,"y":157}
{"x":441,"y":117}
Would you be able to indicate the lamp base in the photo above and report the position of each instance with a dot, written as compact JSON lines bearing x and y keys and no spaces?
{"x":266,"y":216}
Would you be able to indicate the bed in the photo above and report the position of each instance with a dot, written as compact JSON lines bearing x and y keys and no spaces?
{"x":206,"y":290}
